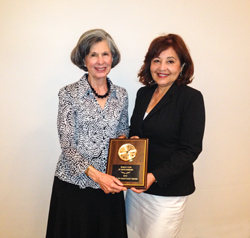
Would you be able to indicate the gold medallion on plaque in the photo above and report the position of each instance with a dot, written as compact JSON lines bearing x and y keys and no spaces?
{"x":127,"y":152}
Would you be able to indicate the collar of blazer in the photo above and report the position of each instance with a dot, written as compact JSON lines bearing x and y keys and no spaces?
{"x":165,"y":100}
{"x":144,"y":98}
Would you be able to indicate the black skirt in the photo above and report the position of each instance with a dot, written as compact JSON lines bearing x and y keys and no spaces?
{"x":85,"y":213}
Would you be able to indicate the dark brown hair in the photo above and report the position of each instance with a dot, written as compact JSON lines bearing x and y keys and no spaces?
{"x":160,"y":44}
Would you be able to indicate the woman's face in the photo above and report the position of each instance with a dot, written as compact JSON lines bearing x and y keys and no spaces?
{"x":165,"y":68}
{"x":99,"y":61}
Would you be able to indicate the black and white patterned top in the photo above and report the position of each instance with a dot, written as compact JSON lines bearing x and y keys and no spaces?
{"x":85,"y":128}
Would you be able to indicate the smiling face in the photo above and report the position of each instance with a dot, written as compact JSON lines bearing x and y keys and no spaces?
{"x":99,"y":61}
{"x":165,"y":68}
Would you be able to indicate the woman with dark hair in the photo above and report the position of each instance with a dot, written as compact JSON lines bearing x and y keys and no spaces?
{"x":172,"y":116}
{"x":86,"y":202}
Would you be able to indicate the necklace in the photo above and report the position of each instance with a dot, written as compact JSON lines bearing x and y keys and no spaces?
{"x":101,"y":96}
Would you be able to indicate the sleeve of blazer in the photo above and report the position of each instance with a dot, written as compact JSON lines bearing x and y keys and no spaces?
{"x":66,"y":131}
{"x":123,"y":128}
{"x":192,"y":125}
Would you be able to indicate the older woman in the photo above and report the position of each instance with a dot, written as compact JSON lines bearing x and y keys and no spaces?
{"x":85,"y":201}
{"x":172,"y":116}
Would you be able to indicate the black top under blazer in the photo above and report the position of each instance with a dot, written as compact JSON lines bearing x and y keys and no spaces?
{"x":175,"y":128}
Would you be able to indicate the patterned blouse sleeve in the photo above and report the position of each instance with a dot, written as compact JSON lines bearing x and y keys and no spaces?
{"x":66,"y":126}
{"x":123,"y":128}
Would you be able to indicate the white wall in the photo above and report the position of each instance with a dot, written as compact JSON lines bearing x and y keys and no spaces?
{"x":36,"y":38}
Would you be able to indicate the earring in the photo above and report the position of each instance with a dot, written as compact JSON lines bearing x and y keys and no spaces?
{"x":84,"y":63}
{"x":183,"y":65}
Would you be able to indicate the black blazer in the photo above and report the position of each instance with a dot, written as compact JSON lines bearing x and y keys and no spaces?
{"x":175,"y":128}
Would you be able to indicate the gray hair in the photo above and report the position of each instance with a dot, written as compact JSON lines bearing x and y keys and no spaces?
{"x":86,"y":41}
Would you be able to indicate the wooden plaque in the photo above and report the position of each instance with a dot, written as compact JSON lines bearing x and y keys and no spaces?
{"x":128,"y":161}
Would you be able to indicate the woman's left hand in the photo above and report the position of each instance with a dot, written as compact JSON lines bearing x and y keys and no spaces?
{"x":108,"y":183}
{"x":122,"y":137}
{"x":150,"y":181}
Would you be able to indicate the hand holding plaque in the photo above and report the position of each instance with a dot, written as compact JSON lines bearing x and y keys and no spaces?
{"x":127,"y":161}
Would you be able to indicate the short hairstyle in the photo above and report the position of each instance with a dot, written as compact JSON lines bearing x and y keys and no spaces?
{"x":160,"y":44}
{"x":86,"y":41}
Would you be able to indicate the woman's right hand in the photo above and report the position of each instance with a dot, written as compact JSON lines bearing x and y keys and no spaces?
{"x":108,"y":183}
{"x":134,"y":137}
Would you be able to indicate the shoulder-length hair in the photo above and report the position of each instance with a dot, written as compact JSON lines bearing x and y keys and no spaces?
{"x":86,"y":41}
{"x":160,"y":44}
